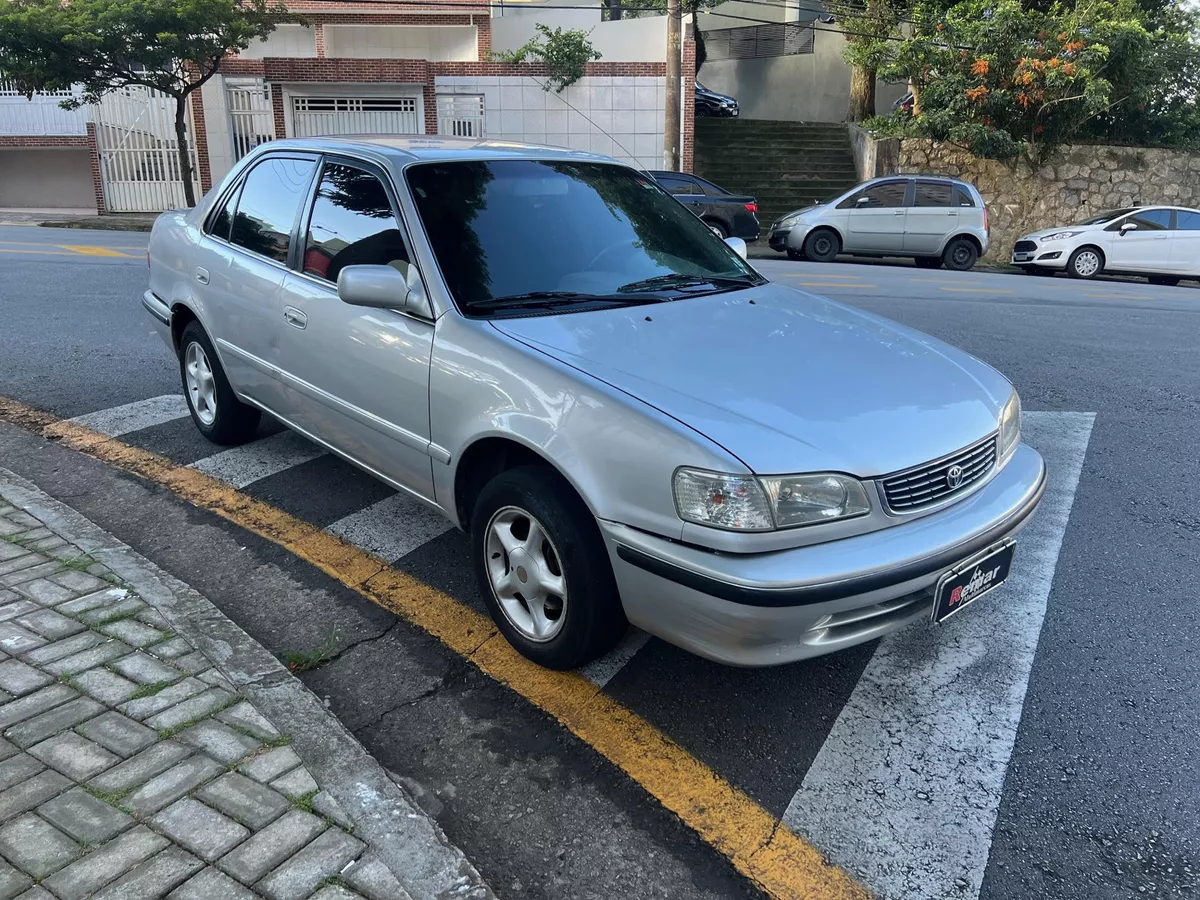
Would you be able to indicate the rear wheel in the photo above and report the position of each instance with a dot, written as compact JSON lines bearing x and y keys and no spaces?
{"x":1164,"y":281}
{"x":543,"y":570}
{"x":822,"y":245}
{"x":1086,"y":262}
{"x":716,"y":228}
{"x":217,"y":412}
{"x":960,"y":254}
{"x":928,"y":262}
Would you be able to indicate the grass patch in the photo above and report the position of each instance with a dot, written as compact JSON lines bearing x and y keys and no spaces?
{"x":115,"y":617}
{"x":280,"y":740}
{"x":303,"y":660}
{"x":304,"y":801}
{"x":80,"y":563}
{"x":165,"y":733}
{"x":149,"y":690}
{"x":71,"y":682}
{"x":112,"y":798}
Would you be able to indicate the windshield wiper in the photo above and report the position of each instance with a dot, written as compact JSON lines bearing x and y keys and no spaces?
{"x":552,"y":299}
{"x":679,"y":280}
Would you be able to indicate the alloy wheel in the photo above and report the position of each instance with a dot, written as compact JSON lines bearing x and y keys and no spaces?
{"x":525,"y":573}
{"x":201,"y":386}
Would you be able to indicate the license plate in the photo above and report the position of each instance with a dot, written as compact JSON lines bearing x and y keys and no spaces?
{"x":966,"y":583}
{"x":1022,"y":257}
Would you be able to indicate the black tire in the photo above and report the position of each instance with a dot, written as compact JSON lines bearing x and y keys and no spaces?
{"x":717,"y":228}
{"x":928,"y":262}
{"x":794,"y":254}
{"x":592,"y":619}
{"x":1080,"y":263}
{"x":960,"y":254}
{"x":822,"y":245}
{"x":1164,"y":280}
{"x":232,"y":421}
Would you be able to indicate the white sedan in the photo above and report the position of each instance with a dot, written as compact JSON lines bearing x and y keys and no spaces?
{"x":1160,"y":242}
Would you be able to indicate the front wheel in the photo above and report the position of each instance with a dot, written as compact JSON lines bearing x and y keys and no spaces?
{"x":822,"y":246}
{"x":216,"y":411}
{"x":1086,"y":262}
{"x":543,"y":570}
{"x":960,"y":254}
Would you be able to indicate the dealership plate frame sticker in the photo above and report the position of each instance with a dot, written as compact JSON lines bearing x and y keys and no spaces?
{"x":965,"y":584}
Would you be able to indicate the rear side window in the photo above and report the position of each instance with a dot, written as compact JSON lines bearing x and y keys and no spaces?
{"x":270,"y":199}
{"x":352,"y":224}
{"x":223,"y":219}
{"x":1188,"y":221}
{"x":962,"y":197}
{"x":678,"y":186}
{"x":888,"y":195}
{"x":932,"y":193}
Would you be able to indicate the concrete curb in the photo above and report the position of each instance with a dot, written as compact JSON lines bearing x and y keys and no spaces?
{"x":399,"y":833}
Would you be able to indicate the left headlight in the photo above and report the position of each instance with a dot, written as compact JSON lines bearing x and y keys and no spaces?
{"x":1010,"y":426}
{"x":746,"y":503}
{"x":1060,"y":235}
{"x":789,"y":220}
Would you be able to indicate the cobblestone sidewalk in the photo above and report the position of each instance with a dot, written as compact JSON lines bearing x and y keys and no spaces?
{"x":131,"y":767}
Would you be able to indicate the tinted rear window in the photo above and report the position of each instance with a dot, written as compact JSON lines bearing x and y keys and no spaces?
{"x":267,"y":209}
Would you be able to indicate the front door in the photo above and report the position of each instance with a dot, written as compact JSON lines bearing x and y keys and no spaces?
{"x":358,"y":378}
{"x":931,"y":218}
{"x":875,"y":218}
{"x":1185,"y":246}
{"x":1146,"y":248}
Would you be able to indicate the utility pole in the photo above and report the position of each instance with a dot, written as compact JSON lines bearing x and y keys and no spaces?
{"x":674,"y":47}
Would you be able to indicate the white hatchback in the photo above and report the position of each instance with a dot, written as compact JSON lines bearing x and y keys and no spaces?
{"x":1160,"y":242}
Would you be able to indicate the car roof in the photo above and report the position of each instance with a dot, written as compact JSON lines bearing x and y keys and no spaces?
{"x":431,"y":147}
{"x":933,"y":176}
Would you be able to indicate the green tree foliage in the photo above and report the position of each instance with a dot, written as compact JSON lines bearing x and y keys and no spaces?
{"x":565,"y":53}
{"x":1006,"y":80}
{"x":174,"y":46}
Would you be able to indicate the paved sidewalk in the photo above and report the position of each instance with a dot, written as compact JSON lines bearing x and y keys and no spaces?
{"x":131,"y":766}
{"x":115,"y":222}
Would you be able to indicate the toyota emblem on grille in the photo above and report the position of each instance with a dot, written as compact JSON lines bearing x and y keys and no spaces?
{"x":954,"y":477}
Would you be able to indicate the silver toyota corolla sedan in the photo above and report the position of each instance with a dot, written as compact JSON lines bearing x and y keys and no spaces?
{"x":633,"y":424}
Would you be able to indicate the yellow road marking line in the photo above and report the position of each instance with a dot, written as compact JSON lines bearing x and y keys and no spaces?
{"x":963,"y":290}
{"x":1118,"y":297}
{"x":815,"y":275}
{"x":40,"y":252}
{"x":88,"y":250}
{"x":782,"y":864}
{"x":834,"y":284}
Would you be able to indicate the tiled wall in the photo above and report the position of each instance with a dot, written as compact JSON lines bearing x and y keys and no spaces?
{"x":617,"y":115}
{"x":434,"y":42}
{"x":285,"y":40}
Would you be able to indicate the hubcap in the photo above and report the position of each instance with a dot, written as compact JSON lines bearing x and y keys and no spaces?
{"x":1087,"y":263}
{"x":715,"y":229}
{"x":961,"y":254}
{"x":201,"y":386}
{"x":526,"y":574}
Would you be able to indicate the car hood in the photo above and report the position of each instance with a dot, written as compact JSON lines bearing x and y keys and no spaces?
{"x":783,"y":380}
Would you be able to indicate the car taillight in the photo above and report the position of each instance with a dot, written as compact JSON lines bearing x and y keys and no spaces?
{"x":986,"y":224}
{"x":752,"y":207}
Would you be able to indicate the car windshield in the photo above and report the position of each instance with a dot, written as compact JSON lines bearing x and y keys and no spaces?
{"x":508,"y":233}
{"x":1106,"y":216}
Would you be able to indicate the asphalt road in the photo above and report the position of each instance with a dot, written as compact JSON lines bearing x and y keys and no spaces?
{"x":1056,"y":762}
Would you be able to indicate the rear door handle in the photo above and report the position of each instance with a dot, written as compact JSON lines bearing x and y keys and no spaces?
{"x":898,"y":212}
{"x":294,"y":317}
{"x":202,"y":275}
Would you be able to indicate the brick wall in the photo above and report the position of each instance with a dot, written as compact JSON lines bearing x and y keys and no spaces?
{"x":94,"y":157}
{"x":43,"y":140}
{"x":688,"y":113}
{"x":200,"y":142}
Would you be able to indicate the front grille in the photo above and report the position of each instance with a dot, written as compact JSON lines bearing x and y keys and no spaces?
{"x":1024,"y":246}
{"x":929,"y":483}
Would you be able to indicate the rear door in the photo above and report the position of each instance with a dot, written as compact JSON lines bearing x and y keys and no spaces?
{"x":1185,"y":244}
{"x":875,"y":217}
{"x":240,"y":267}
{"x":358,"y":377}
{"x":1145,"y":248}
{"x":931,"y":218}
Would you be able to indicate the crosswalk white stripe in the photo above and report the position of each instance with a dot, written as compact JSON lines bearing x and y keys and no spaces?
{"x":134,"y":416}
{"x":906,"y":788}
{"x":391,"y":528}
{"x":240,"y":466}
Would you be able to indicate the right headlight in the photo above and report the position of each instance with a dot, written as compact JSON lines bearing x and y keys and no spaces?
{"x":747,"y":503}
{"x":789,"y":220}
{"x":1010,"y":426}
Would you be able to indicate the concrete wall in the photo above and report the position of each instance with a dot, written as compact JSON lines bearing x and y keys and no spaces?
{"x":1081,"y":181}
{"x":629,"y":40}
{"x":46,"y":178}
{"x":512,"y":26}
{"x":808,"y":87}
{"x":436,"y":42}
{"x":285,"y":40}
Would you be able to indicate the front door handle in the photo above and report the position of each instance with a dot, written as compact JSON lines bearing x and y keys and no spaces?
{"x":898,"y":212}
{"x":294,"y":317}
{"x":202,"y":275}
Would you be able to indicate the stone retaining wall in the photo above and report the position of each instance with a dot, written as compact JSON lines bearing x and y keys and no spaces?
{"x":1080,"y":181}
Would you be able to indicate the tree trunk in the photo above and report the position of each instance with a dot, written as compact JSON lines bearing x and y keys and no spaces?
{"x":185,"y":159}
{"x":916,"y":104}
{"x":862,"y":94}
{"x":674,"y":89}
{"x":614,"y":10}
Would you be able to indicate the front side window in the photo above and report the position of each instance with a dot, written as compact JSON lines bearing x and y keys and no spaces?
{"x":889,"y":195}
{"x":564,"y":234}
{"x":932,"y":193}
{"x":270,"y":199}
{"x":678,"y":186}
{"x":1105,"y":217}
{"x":1149,"y":220}
{"x":1187,"y":221}
{"x":352,"y":224}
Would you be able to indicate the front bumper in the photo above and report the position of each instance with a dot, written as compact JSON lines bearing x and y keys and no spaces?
{"x":1028,"y":253}
{"x":771,"y":608}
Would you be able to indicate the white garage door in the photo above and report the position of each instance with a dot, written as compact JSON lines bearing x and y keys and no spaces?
{"x":316,"y":116}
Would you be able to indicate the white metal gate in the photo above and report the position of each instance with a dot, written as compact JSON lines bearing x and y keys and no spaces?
{"x":251,"y":115}
{"x":139,"y":156}
{"x":460,"y":115}
{"x":316,"y":116}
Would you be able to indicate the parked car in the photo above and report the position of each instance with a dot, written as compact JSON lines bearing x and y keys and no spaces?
{"x":726,"y":214}
{"x":937,"y":221}
{"x":632,"y":424}
{"x":1159,"y":242}
{"x":905,"y":103}
{"x":710,"y":103}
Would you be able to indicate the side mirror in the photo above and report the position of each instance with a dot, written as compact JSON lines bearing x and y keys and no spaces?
{"x":1128,"y":226}
{"x":382,"y":287}
{"x":737,"y":245}
{"x":862,"y":201}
